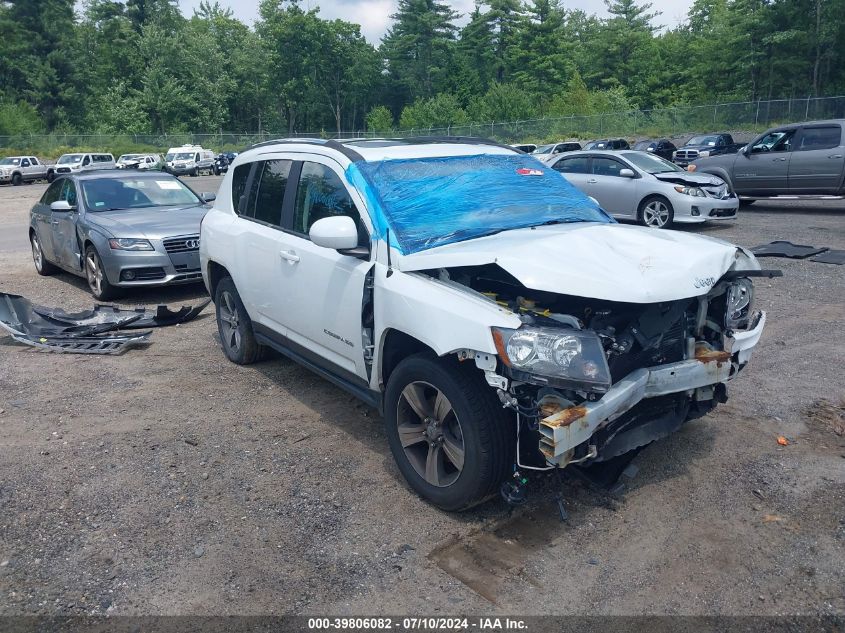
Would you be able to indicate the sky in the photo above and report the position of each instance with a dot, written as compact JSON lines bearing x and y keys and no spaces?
{"x":372,"y":15}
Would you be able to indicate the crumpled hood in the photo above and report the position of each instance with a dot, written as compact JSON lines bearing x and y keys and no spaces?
{"x":612,"y":262}
{"x":691,"y":178}
{"x":151,"y":223}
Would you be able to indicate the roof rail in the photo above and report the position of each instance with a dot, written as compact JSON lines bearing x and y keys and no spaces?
{"x":463,"y":140}
{"x":351,"y":154}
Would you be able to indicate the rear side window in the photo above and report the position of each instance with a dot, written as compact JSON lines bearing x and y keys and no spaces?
{"x":820,"y":138}
{"x":265,"y":198}
{"x":321,"y":194}
{"x":577,"y":165}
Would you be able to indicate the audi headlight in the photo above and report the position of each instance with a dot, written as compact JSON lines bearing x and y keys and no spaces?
{"x":695,"y":192}
{"x":569,"y":358}
{"x":130,"y":244}
{"x":739,"y":300}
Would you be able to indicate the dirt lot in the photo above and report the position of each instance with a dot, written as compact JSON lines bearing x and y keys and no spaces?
{"x":170,"y":481}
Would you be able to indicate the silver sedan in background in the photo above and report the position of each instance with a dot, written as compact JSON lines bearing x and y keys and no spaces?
{"x":119,"y":229}
{"x":646,"y":188}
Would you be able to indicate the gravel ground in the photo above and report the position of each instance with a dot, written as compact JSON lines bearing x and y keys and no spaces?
{"x":170,"y":481}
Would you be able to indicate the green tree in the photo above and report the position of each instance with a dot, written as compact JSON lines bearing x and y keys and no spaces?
{"x":542,"y":59}
{"x":379,"y":119}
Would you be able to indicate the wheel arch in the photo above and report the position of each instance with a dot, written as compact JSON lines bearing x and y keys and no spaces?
{"x":395,"y":346}
{"x":216,"y":273}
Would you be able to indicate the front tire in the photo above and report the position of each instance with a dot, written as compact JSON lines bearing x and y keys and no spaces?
{"x":51,"y":176}
{"x":42,"y":266}
{"x":656,"y":212}
{"x":447,"y":431}
{"x":235,"y":326}
{"x":95,"y":275}
{"x":16,"y":179}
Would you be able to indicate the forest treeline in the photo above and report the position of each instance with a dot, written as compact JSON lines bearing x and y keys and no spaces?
{"x":141,"y":66}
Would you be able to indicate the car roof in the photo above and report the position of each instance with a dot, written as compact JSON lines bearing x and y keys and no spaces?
{"x":377,"y":149}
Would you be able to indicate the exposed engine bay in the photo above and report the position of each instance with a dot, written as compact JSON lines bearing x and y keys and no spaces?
{"x":590,"y":379}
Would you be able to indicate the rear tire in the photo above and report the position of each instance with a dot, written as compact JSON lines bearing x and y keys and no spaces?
{"x":448,"y":433}
{"x":42,"y":266}
{"x":235,"y":326}
{"x":656,"y":212}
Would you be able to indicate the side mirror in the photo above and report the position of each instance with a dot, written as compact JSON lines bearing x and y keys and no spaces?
{"x":627,"y":173}
{"x":207,"y":196}
{"x":62,"y":206}
{"x":338,"y":232}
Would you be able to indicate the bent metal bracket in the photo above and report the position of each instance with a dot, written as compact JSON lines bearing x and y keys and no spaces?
{"x":101,"y":330}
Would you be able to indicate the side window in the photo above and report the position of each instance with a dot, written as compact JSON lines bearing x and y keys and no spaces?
{"x":321,"y":194}
{"x":86,"y":161}
{"x":25,"y":162}
{"x":577,"y":165}
{"x":606,"y":166}
{"x":826,"y":137}
{"x":239,"y":178}
{"x":68,"y":192}
{"x":272,"y":180}
{"x":33,"y":160}
{"x":774,"y":142}
{"x":53,"y":192}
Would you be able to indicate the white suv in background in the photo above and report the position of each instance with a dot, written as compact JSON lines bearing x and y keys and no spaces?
{"x":497,"y":317}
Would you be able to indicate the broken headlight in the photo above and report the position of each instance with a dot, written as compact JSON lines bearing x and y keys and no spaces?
{"x":564,"y":357}
{"x":739,"y":300}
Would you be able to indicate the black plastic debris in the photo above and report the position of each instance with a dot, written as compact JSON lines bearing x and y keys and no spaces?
{"x":830,"y":257}
{"x":96,"y":331}
{"x":782,"y":248}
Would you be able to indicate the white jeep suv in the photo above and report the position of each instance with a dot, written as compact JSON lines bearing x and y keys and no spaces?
{"x":497,"y":317}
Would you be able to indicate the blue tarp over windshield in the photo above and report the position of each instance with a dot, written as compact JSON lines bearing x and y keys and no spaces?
{"x":428,"y":202}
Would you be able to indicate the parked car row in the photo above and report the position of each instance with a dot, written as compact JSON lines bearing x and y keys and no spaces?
{"x":186,"y":160}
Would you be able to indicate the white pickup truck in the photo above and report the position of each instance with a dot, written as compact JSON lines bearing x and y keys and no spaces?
{"x":19,"y":169}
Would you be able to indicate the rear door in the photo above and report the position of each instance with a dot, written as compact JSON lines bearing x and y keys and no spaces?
{"x":576,"y":169}
{"x":765,"y":168}
{"x":818,"y":160}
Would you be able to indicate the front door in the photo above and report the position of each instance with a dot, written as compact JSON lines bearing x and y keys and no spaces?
{"x":818,"y":160}
{"x":42,"y":218}
{"x":765,"y":168}
{"x":616,"y":194}
{"x":324,"y":289}
{"x":65,"y":242}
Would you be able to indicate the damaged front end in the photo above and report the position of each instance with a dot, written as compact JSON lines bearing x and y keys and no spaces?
{"x":592,"y":379}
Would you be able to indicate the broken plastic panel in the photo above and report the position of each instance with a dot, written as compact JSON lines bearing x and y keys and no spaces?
{"x":429,"y":202}
{"x":91,"y":332}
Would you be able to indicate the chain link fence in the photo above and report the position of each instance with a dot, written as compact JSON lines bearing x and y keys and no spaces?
{"x":745,"y":118}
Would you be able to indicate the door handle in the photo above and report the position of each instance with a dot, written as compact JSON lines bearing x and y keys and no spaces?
{"x":778,"y":159}
{"x":54,"y":222}
{"x":592,"y":181}
{"x":835,"y":156}
{"x":289,"y":256}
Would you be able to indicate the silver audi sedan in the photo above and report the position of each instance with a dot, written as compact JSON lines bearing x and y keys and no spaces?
{"x":119,"y":230}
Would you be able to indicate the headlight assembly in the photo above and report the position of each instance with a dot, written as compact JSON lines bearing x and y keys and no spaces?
{"x":130,"y":244}
{"x":739,"y":300}
{"x":563,"y":357}
{"x":695,"y":192}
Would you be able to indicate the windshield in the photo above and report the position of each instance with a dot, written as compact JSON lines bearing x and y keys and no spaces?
{"x":10,"y":161}
{"x":185,"y":156}
{"x":651,"y":163}
{"x":644,"y":145}
{"x":70,"y":158}
{"x":703,"y":140}
{"x":126,"y":157}
{"x":111,"y":194}
{"x":428,"y":202}
{"x":544,"y":149}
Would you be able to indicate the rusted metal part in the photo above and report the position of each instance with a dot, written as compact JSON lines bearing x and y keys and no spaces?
{"x":561,"y":432}
{"x":706,"y":354}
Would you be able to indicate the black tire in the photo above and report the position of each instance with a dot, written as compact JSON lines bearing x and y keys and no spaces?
{"x":42,"y":266}
{"x":16,"y":179}
{"x":487,"y":434}
{"x":236,"y":336}
{"x":195,"y":173}
{"x":216,"y":171}
{"x":95,"y":275}
{"x":651,"y":207}
{"x":51,"y":176}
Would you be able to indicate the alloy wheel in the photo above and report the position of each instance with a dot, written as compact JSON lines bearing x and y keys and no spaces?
{"x":37,"y":255}
{"x":430,"y":434}
{"x":94,"y":272}
{"x":229,"y":322}
{"x":656,"y":214}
